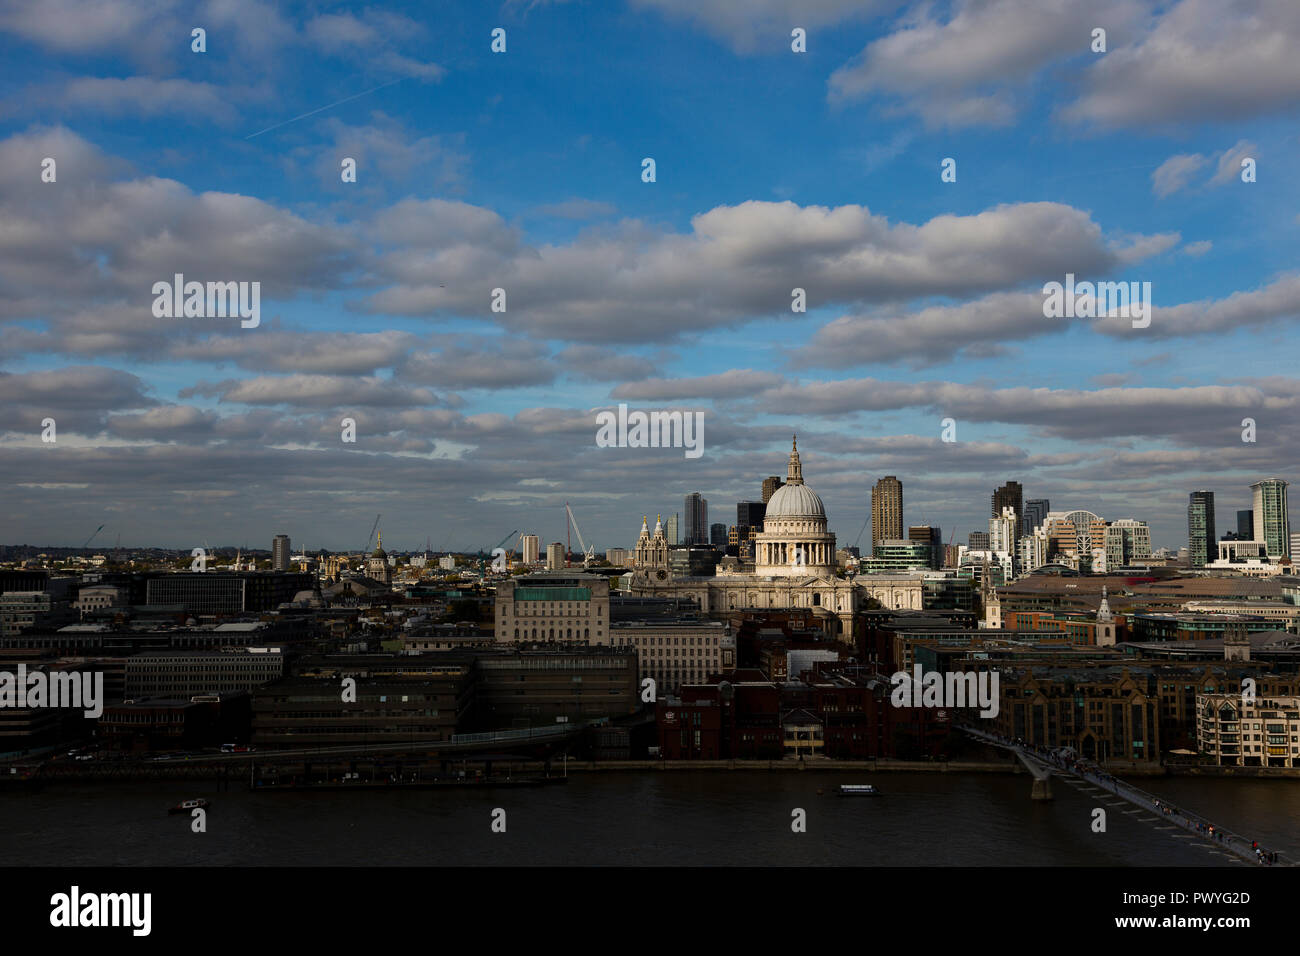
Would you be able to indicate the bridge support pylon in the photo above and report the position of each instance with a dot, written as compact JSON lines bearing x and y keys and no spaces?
{"x":1042,"y":789}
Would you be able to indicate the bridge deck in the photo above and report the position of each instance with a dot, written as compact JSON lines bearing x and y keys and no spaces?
{"x":1050,"y":762}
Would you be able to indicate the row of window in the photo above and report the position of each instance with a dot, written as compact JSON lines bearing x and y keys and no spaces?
{"x":558,"y":634}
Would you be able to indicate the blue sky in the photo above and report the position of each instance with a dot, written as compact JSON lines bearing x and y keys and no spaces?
{"x":522,"y":170}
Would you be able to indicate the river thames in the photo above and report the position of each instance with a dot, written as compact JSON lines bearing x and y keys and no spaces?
{"x":677,"y":818}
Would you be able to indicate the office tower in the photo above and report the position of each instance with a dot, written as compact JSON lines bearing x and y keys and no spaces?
{"x":931,"y":536}
{"x":769,"y":487}
{"x":718,"y":534}
{"x":555,"y":556}
{"x":886,"y":511}
{"x":696,"y":529}
{"x":670,"y":529}
{"x":280,"y":553}
{"x":1295,"y":545}
{"x":1011,"y":495}
{"x":1127,"y":541}
{"x":1272,"y":525}
{"x":749,"y":514}
{"x":1246,"y":525}
{"x":978,"y":541}
{"x":1036,"y":510}
{"x":1201,"y":539}
{"x":532,"y":548}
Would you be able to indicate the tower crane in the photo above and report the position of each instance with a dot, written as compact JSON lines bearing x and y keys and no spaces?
{"x":370,"y":537}
{"x":501,"y":544}
{"x":588,"y":554}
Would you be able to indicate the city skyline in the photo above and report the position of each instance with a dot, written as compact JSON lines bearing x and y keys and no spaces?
{"x":823,"y":171}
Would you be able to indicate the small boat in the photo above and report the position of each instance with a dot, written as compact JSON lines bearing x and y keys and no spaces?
{"x":186,"y":806}
{"x":858,"y":790}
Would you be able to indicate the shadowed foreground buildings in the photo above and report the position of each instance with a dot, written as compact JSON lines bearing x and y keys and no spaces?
{"x":431,"y":697}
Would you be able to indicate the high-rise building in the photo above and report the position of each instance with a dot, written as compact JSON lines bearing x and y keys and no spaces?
{"x":1011,"y":495}
{"x":769,"y":487}
{"x":886,"y":511}
{"x":931,"y":536}
{"x":1036,"y":510}
{"x":555,"y":556}
{"x":1201,"y":539}
{"x":1246,"y":525}
{"x":280,"y":553}
{"x":749,"y":514}
{"x":718,"y":534}
{"x":1127,"y":541}
{"x":532,"y":548}
{"x":1031,"y":550}
{"x":1003,"y":531}
{"x":978,"y":541}
{"x":1272,"y":524}
{"x":671,"y":528}
{"x":697,"y":519}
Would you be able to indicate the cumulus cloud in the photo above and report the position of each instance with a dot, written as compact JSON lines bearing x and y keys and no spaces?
{"x":974,"y":66}
{"x":331,"y":391}
{"x":1200,"y":60}
{"x":633,"y":284}
{"x":1275,"y":302}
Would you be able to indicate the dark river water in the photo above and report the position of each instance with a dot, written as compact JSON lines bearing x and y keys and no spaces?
{"x":644,"y":819}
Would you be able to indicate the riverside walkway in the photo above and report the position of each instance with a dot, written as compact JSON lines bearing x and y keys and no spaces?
{"x":1090,"y":779}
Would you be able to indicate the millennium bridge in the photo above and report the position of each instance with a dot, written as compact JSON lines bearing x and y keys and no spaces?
{"x":1043,"y":764}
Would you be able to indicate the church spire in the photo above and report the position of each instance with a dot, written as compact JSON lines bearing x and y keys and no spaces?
{"x":794,"y":476}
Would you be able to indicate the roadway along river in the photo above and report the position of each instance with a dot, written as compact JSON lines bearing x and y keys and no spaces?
{"x":644,"y":819}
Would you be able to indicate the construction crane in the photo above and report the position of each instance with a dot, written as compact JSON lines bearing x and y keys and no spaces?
{"x":863,"y":531}
{"x":92,"y":538}
{"x":371,"y":536}
{"x":588,"y":554}
{"x":482,"y":558}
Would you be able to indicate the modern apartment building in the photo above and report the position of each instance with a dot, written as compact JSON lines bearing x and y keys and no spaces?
{"x":1238,"y":732}
{"x":280,"y":553}
{"x":886,"y":511}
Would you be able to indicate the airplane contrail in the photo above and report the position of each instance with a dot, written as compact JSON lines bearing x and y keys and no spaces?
{"x":321,"y":109}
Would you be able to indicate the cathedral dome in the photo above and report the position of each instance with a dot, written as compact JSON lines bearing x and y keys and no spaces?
{"x":795,"y":501}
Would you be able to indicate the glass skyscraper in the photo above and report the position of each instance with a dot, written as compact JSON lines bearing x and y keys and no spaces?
{"x":1272,"y":524}
{"x":1202,"y":543}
